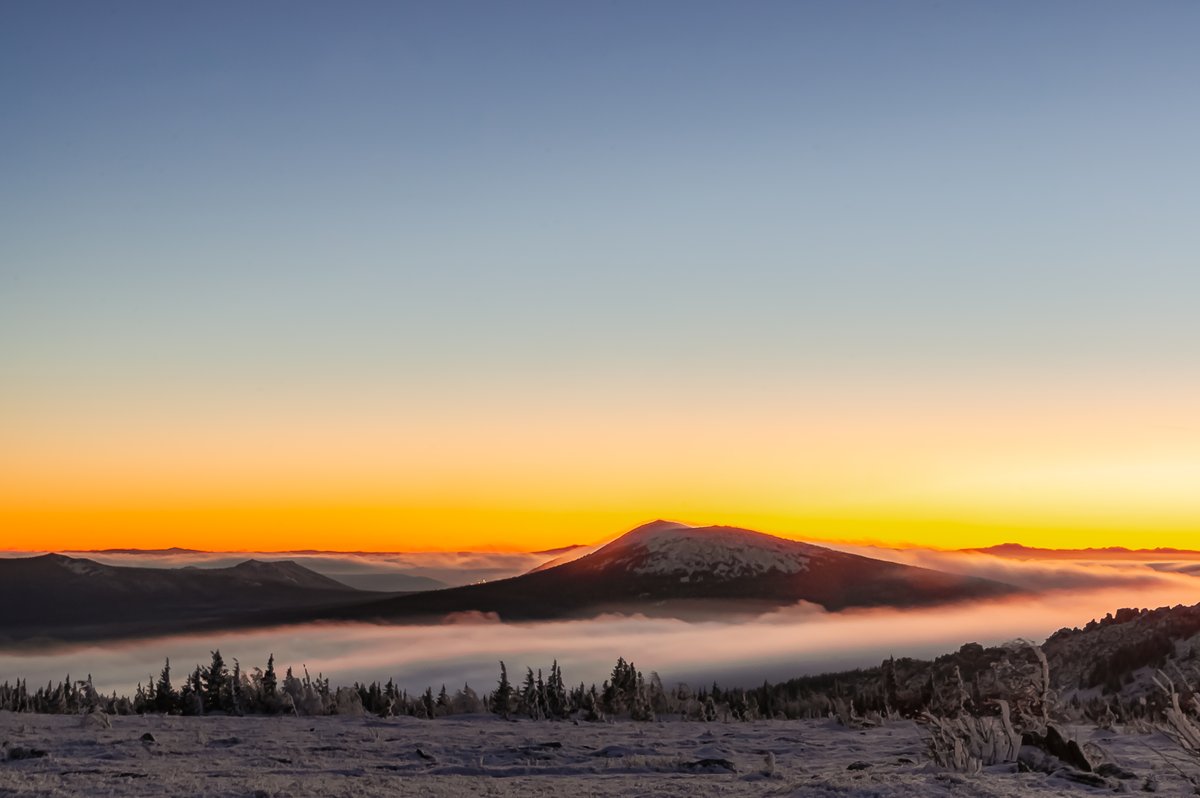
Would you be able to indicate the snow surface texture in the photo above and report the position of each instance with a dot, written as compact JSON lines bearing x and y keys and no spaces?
{"x":483,"y":755}
{"x":667,"y":548}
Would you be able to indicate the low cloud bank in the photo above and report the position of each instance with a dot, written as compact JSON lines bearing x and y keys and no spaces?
{"x":799,"y":640}
{"x":1037,"y":575}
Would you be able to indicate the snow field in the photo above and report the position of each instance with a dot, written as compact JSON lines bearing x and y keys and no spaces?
{"x":482,"y":755}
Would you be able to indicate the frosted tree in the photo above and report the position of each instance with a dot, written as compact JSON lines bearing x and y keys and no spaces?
{"x":293,"y":689}
{"x":503,"y":694}
{"x":891,"y":695}
{"x":591,"y":705}
{"x":557,"y":704}
{"x":91,"y":698}
{"x":660,"y":702}
{"x":542,"y":697}
{"x":640,"y":707}
{"x":530,"y":697}
{"x":191,"y":697}
{"x":466,"y":702}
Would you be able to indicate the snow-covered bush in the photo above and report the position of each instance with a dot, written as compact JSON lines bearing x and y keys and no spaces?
{"x":1181,"y":719}
{"x":967,"y":734}
{"x":347,"y":702}
{"x":968,"y":743}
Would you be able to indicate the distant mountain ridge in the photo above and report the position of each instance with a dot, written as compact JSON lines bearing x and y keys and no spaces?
{"x":1021,"y":552}
{"x":172,"y":550}
{"x":55,"y":597}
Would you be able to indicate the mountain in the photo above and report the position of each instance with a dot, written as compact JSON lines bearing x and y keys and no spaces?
{"x":1122,"y":653}
{"x":1018,"y":551}
{"x":660,"y":569}
{"x":54,"y":597}
{"x":1122,"y":667}
{"x":669,"y":569}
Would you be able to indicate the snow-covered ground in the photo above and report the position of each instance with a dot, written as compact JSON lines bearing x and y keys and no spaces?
{"x":361,"y":757}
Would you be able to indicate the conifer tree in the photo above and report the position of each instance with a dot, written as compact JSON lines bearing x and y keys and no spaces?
{"x":164,"y":694}
{"x":213,"y":682}
{"x":270,"y":680}
{"x":528,"y":702}
{"x":890,"y":695}
{"x":542,"y":698}
{"x":556,"y":693}
{"x":236,"y":700}
{"x":191,"y":697}
{"x":591,"y":705}
{"x":503,"y":694}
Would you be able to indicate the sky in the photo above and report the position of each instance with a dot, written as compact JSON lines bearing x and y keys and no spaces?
{"x":437,"y":276}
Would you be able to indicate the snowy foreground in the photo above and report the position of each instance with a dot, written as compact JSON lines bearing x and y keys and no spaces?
{"x":339,"y":755}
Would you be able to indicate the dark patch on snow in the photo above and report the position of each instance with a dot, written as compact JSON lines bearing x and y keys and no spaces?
{"x":710,"y":764}
{"x":1112,"y":770}
{"x":21,"y":752}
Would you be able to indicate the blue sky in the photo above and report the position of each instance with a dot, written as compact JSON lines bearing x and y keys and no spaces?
{"x":296,"y":181}
{"x":481,"y":203}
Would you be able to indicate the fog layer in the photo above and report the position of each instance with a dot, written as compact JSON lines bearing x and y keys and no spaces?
{"x":799,"y":640}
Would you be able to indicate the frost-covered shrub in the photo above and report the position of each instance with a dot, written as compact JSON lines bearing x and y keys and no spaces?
{"x":1181,"y":719}
{"x":975,"y":734}
{"x":466,"y":702}
{"x":968,"y":743}
{"x":1022,"y":678}
{"x":347,"y":702}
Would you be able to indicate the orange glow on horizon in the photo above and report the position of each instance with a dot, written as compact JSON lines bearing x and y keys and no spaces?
{"x":957,"y":468}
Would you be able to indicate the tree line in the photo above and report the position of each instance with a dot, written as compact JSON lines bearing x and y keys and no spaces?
{"x":967,"y":682}
{"x":543,"y":694}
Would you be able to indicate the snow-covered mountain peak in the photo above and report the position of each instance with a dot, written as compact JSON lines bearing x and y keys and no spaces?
{"x":668,"y":548}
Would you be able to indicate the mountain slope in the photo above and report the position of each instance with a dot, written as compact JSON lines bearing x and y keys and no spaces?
{"x":65,"y":598}
{"x":669,"y":569}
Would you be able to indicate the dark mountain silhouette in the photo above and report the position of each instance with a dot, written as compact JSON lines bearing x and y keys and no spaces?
{"x":668,"y":569}
{"x":660,"y":569}
{"x":54,"y":597}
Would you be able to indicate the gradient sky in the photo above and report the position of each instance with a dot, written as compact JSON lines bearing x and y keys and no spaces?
{"x":447,"y":275}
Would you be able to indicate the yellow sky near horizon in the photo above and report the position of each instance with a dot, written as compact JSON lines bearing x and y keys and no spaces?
{"x":951,"y":468}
